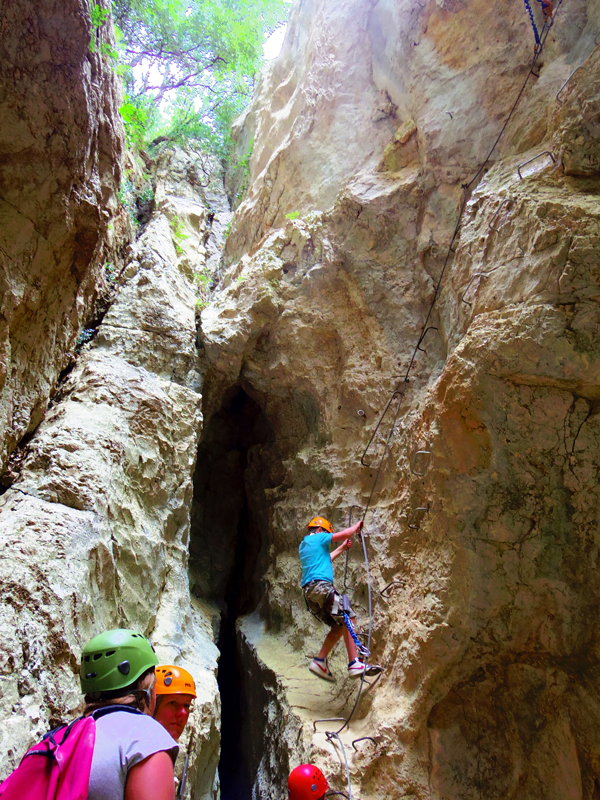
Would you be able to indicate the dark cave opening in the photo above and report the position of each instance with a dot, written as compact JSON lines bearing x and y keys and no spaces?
{"x":227,"y":555}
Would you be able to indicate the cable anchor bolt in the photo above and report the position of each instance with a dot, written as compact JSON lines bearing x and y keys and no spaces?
{"x":415,"y":523}
{"x":423,"y":335}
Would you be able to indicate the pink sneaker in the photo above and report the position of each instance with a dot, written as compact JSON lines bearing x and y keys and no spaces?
{"x":319,"y":666}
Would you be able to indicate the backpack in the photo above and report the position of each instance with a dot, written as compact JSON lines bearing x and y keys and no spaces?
{"x":58,"y":767}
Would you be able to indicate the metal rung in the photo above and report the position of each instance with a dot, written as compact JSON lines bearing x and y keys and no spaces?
{"x":498,"y":210}
{"x":330,"y":719}
{"x":411,"y":522}
{"x":395,"y":582}
{"x":560,"y":102}
{"x":425,"y":465}
{"x":535,"y":158}
{"x":425,"y":332}
{"x":372,"y":683}
{"x":364,"y":738}
{"x":476,"y":275}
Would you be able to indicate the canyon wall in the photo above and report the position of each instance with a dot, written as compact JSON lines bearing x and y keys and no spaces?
{"x":96,"y":526}
{"x":169,"y":481}
{"x":61,"y":142}
{"x":484,"y":513}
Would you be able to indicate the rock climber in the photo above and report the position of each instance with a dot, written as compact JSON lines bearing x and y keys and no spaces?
{"x":133,"y":754}
{"x":175,"y":692}
{"x":322,"y":599}
{"x":307,"y":782}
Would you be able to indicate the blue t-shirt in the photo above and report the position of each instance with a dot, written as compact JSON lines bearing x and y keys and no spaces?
{"x":315,"y":558}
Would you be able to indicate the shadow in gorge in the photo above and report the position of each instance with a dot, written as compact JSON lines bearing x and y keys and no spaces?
{"x":227,"y":553}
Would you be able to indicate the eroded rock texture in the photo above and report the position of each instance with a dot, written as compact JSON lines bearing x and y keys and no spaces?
{"x":143,"y":502}
{"x":60,"y":149}
{"x":96,"y":529}
{"x":364,"y":131}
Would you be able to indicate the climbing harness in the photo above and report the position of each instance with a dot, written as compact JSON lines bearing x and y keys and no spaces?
{"x":362,"y":649}
{"x":400,"y":390}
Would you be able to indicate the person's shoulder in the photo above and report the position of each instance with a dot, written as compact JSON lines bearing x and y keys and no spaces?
{"x":127,"y":723}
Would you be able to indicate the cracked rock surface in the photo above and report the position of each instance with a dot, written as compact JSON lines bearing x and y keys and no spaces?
{"x":61,"y":142}
{"x":484,"y":517}
{"x":96,"y":527}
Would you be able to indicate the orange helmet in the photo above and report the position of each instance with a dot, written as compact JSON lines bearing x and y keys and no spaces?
{"x":307,"y":782}
{"x":320,"y":522}
{"x":174,"y":680}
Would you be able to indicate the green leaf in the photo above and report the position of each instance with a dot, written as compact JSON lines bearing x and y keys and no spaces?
{"x":193,"y":62}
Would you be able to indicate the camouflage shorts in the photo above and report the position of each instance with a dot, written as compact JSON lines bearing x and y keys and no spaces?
{"x":325,"y":602}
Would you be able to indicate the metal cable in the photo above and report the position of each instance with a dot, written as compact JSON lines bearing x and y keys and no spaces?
{"x":330,"y":735}
{"x":401,"y":388}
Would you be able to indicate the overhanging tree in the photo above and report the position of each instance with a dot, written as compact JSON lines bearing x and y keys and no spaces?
{"x":189,"y":65}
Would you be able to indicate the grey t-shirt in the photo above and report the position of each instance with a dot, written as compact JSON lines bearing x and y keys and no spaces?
{"x":122,"y":741}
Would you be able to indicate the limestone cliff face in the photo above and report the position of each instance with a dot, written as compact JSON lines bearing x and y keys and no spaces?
{"x":485,"y":513}
{"x":169,"y":484}
{"x":96,"y":528}
{"x":60,"y":150}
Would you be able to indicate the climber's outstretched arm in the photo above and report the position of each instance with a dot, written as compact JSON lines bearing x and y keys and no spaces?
{"x":347,"y":532}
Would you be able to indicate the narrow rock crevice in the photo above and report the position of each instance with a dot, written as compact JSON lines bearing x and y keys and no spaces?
{"x":228,"y":559}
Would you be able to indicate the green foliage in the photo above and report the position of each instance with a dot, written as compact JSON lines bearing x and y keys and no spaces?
{"x":292,"y":215}
{"x":189,"y":65}
{"x":179,"y":234}
{"x":243,"y":164}
{"x":85,"y":336}
{"x":147,"y":194}
{"x":203,"y":279}
{"x":139,"y":116}
{"x":99,"y":15}
{"x":126,"y":196}
{"x":110,"y":272}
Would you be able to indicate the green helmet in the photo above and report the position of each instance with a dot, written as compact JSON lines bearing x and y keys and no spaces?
{"x":115,"y":659}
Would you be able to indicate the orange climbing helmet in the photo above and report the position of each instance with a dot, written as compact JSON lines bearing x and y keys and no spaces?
{"x":307,"y":782}
{"x":320,"y":522}
{"x":174,"y":680}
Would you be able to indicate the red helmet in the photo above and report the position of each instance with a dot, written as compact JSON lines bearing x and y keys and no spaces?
{"x":307,"y":782}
